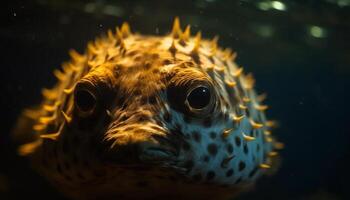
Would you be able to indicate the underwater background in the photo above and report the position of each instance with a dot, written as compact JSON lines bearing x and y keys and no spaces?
{"x":298,"y":51}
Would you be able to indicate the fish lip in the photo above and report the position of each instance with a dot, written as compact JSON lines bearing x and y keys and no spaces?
{"x":157,"y":150}
{"x":155,"y":154}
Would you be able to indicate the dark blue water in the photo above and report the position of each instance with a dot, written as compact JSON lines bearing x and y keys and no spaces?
{"x":299,"y":52}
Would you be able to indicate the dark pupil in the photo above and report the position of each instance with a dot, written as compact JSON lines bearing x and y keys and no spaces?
{"x":199,"y":97}
{"x":85,"y":100}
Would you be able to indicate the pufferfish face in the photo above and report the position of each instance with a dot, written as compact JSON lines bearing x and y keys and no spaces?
{"x":136,"y":113}
{"x":178,"y":117}
{"x":160,"y":122}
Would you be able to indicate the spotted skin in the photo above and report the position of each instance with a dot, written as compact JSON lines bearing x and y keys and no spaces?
{"x":120,"y":122}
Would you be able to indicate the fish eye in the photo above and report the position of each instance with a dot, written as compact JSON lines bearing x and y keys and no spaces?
{"x":85,"y":101}
{"x":198,"y":98}
{"x":194,"y":98}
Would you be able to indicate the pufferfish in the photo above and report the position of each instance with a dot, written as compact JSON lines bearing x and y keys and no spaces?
{"x":150,"y":117}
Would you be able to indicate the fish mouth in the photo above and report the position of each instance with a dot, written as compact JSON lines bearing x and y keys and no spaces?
{"x":156,"y":150}
{"x":156,"y":154}
{"x":163,"y":159}
{"x":164,"y":151}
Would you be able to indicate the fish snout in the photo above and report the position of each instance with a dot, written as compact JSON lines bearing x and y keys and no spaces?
{"x":140,"y":146}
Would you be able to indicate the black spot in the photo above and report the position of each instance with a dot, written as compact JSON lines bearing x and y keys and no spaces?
{"x":210,"y":175}
{"x":226,"y":161}
{"x":245,"y":148}
{"x":241,"y":166}
{"x":229,"y":173}
{"x":253,"y":172}
{"x":197,"y":177}
{"x":212,"y":135}
{"x":167,"y":117}
{"x":238,"y":141}
{"x":189,"y":165}
{"x":166,"y":62}
{"x":196,"y":136}
{"x":207,"y":122}
{"x":230,"y":148}
{"x":258,"y":147}
{"x":206,"y":158}
{"x":212,"y":149}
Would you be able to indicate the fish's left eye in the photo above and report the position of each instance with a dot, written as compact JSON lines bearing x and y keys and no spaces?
{"x":193,"y":98}
{"x":199,"y":97}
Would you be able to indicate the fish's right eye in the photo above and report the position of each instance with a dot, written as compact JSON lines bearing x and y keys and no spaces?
{"x":85,"y":99}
